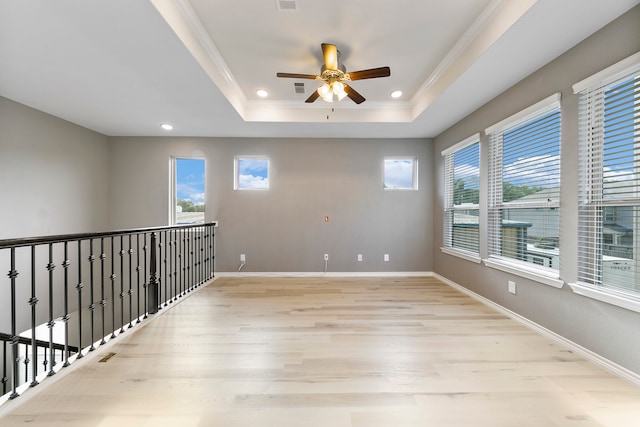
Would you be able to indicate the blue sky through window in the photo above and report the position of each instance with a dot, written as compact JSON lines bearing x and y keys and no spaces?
{"x":620,"y":152}
{"x":253,"y":173}
{"x":398,"y":174}
{"x":190,"y":180}
{"x":466,"y":166}
{"x":531,"y":153}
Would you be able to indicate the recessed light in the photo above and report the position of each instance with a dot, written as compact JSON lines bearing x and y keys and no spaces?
{"x":396,"y":94}
{"x":166,"y":126}
{"x":262,"y":93}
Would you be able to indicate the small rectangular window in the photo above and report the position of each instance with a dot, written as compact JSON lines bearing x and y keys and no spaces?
{"x":188,"y":204}
{"x":251,"y":173}
{"x":400,"y":173}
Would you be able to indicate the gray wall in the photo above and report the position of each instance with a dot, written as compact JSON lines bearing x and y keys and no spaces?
{"x":605,"y":329}
{"x":283,"y":229}
{"x":54,"y":179}
{"x":53,"y":174}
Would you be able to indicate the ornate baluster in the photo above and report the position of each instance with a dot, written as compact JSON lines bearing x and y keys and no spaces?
{"x":130,"y":292}
{"x":13,"y":274}
{"x":138,"y":277}
{"x":33,"y":301}
{"x":170,"y":274}
{"x":103,"y":301}
{"x":189,"y":260}
{"x":92,"y":306}
{"x":164,"y":262}
{"x":52,"y":355}
{"x":122,"y":294}
{"x":145,"y":286}
{"x":153,"y":283}
{"x":4,"y":368}
{"x":79,"y":287}
{"x":113,"y":289}
{"x":65,"y":318}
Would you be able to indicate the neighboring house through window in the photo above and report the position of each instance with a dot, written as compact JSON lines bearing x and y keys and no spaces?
{"x":609,"y":197}
{"x":462,"y":197}
{"x":524,"y":190}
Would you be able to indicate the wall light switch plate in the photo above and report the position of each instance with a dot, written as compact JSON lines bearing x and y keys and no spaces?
{"x":512,"y":287}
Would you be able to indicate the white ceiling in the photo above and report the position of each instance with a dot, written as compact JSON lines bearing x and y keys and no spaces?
{"x":123,"y":67}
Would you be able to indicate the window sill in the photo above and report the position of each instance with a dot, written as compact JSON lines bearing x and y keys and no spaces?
{"x":469,"y":256}
{"x":531,"y":273}
{"x":610,"y":296}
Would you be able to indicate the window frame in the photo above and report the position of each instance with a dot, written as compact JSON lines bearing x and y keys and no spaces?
{"x":236,"y":172}
{"x":414,"y":173}
{"x":593,"y":205}
{"x":450,"y":207}
{"x":173,"y":188}
{"x":542,"y":274}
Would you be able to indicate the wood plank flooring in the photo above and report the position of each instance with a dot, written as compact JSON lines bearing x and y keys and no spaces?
{"x":331,"y":352}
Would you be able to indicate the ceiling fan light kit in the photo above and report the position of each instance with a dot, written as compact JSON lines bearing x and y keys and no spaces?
{"x":334,"y":76}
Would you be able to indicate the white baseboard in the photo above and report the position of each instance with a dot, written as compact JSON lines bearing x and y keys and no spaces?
{"x":602,"y":362}
{"x":327,"y":274}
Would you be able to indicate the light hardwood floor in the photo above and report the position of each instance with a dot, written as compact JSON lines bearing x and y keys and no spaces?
{"x":331,"y":352}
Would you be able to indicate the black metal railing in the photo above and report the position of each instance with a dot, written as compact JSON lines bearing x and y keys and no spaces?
{"x":107,"y":282}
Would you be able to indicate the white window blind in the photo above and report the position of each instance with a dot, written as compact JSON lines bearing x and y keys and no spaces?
{"x":609,"y":196}
{"x":462,"y":193}
{"x":524,"y":187}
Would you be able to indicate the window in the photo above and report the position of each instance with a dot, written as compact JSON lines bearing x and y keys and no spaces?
{"x":609,"y":196}
{"x":188,"y":196}
{"x":462,"y":196}
{"x":400,"y":173}
{"x":524,"y":189}
{"x":251,"y":173}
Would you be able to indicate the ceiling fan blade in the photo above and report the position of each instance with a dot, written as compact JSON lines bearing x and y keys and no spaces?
{"x":370,"y":74}
{"x":330,"y":53}
{"x":315,"y":95}
{"x":297,"y":76}
{"x":353,"y":94}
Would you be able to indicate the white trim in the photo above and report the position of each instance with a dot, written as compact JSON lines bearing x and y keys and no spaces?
{"x":609,"y":296}
{"x":602,"y":362}
{"x":609,"y":74}
{"x":546,"y":105}
{"x":531,"y":273}
{"x":462,"y":144}
{"x":469,"y":256}
{"x":323,"y":274}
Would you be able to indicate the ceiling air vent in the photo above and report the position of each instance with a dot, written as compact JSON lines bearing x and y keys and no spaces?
{"x":286,"y":5}
{"x":298,"y":87}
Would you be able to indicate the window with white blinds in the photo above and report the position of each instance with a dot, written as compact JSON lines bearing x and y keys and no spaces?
{"x":524,"y":188}
{"x":462,"y":196}
{"x":609,"y":196}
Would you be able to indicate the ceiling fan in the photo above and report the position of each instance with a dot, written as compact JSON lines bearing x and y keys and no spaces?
{"x":335,"y":77}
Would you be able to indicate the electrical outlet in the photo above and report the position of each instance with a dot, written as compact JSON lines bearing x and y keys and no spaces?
{"x":386,"y":257}
{"x":359,"y":257}
{"x":512,"y":287}
{"x":243,"y":258}
{"x":326,"y":257}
